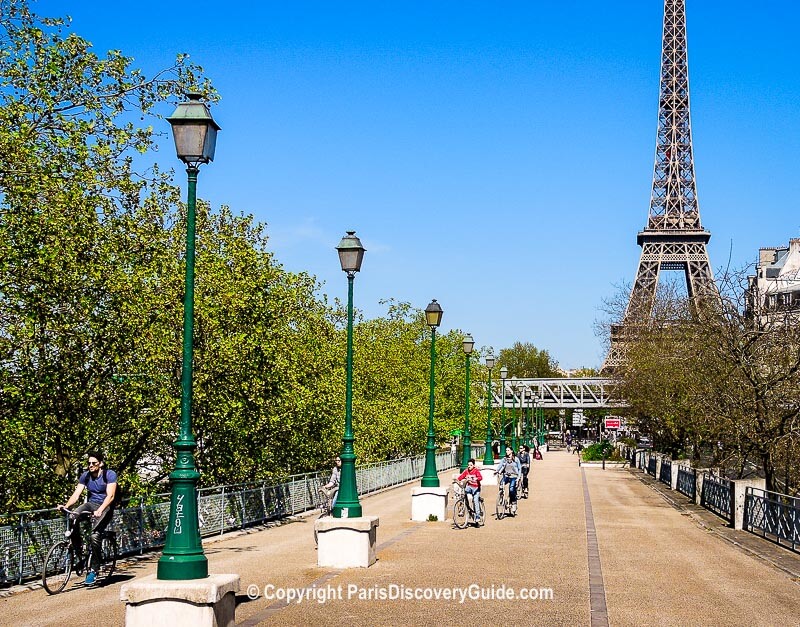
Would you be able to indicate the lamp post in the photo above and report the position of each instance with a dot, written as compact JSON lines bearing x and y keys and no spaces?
{"x":526,"y":415}
{"x":430,"y":478}
{"x":195,"y":134}
{"x":541,"y":425}
{"x":468,"y":344}
{"x":534,"y":401}
{"x":351,"y":254}
{"x":503,"y":376}
{"x":488,"y":458}
{"x":514,"y":388}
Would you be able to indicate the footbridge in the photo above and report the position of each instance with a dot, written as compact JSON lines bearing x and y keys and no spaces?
{"x":579,"y":544}
{"x":556,"y":393}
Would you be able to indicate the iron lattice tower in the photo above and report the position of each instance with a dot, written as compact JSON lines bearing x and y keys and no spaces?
{"x":674,"y":238}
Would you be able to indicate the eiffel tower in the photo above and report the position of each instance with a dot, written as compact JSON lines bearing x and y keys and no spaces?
{"x":673,"y":238}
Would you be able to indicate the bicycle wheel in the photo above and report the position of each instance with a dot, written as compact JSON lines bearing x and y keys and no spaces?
{"x":460,"y":514}
{"x":57,"y":567}
{"x":108,"y":557}
{"x":500,"y":510}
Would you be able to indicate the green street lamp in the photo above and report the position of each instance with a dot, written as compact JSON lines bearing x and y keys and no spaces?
{"x":503,"y":377}
{"x":514,"y":388}
{"x":541,"y":425}
{"x":195,"y":134}
{"x":531,"y":413}
{"x":468,"y":344}
{"x":524,"y":402}
{"x":351,"y":254}
{"x":430,"y":478}
{"x":488,"y":458}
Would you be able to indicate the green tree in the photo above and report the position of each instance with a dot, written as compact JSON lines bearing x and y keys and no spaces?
{"x":67,"y":183}
{"x":527,"y":361}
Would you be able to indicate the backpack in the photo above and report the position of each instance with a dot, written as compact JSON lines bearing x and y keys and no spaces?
{"x":118,"y":494}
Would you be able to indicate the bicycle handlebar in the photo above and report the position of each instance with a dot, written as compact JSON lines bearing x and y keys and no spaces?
{"x":75,"y":514}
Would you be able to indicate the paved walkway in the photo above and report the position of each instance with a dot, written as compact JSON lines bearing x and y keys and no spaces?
{"x":611,"y":548}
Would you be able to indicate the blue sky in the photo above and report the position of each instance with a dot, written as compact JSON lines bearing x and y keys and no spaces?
{"x":495,"y":156}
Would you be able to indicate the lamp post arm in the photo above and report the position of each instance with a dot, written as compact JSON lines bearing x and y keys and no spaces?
{"x":488,"y":457}
{"x":430,"y":478}
{"x":467,"y":445}
{"x":183,"y":556}
{"x":347,"y":503}
{"x":188,"y":309}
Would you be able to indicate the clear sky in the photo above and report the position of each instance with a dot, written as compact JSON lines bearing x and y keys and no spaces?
{"x":496,"y":156}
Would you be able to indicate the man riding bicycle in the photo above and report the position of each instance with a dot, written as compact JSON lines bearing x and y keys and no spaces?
{"x":102,"y":487}
{"x":473,"y":488}
{"x":510,"y":469}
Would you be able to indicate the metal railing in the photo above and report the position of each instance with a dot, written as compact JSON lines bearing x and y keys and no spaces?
{"x":774,"y":516}
{"x":716,"y":495}
{"x":651,"y":466}
{"x":27,"y":536}
{"x":665,"y":472}
{"x":687,"y":481}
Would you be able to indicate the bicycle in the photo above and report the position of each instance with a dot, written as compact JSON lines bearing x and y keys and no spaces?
{"x":61,"y":559}
{"x":504,"y":505}
{"x":325,"y":508}
{"x":463,"y":510}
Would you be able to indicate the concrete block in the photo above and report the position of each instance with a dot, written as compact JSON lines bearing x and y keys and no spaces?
{"x":346,"y":542}
{"x":676,"y":466}
{"x":152,"y":602}
{"x":738,"y":490}
{"x":427,"y":501}
{"x":487,"y":472}
{"x":698,"y":484}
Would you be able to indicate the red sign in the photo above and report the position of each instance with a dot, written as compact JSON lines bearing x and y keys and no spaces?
{"x":612,"y":423}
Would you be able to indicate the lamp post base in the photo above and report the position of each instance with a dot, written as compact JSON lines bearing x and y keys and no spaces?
{"x":195,"y":603}
{"x":427,"y":502}
{"x":346,"y":542}
{"x":182,"y":567}
{"x":487,"y":472}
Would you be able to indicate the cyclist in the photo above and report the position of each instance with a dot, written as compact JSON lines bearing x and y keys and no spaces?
{"x":511,"y":469}
{"x":525,"y":464}
{"x":473,"y":489}
{"x":331,"y":488}
{"x":101,"y":483}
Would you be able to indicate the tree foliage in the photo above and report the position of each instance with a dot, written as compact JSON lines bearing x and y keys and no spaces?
{"x":92,"y":240}
{"x":722,"y":384}
{"x":524,"y":360}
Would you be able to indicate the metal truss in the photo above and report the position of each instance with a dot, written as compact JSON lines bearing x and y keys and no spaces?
{"x":674,"y":238}
{"x":673,"y":205}
{"x":583,"y":393}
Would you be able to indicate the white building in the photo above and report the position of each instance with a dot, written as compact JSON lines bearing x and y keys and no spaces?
{"x":775,"y":288}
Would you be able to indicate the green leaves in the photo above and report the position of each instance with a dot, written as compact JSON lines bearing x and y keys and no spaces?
{"x":527,"y":361}
{"x":92,"y":246}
